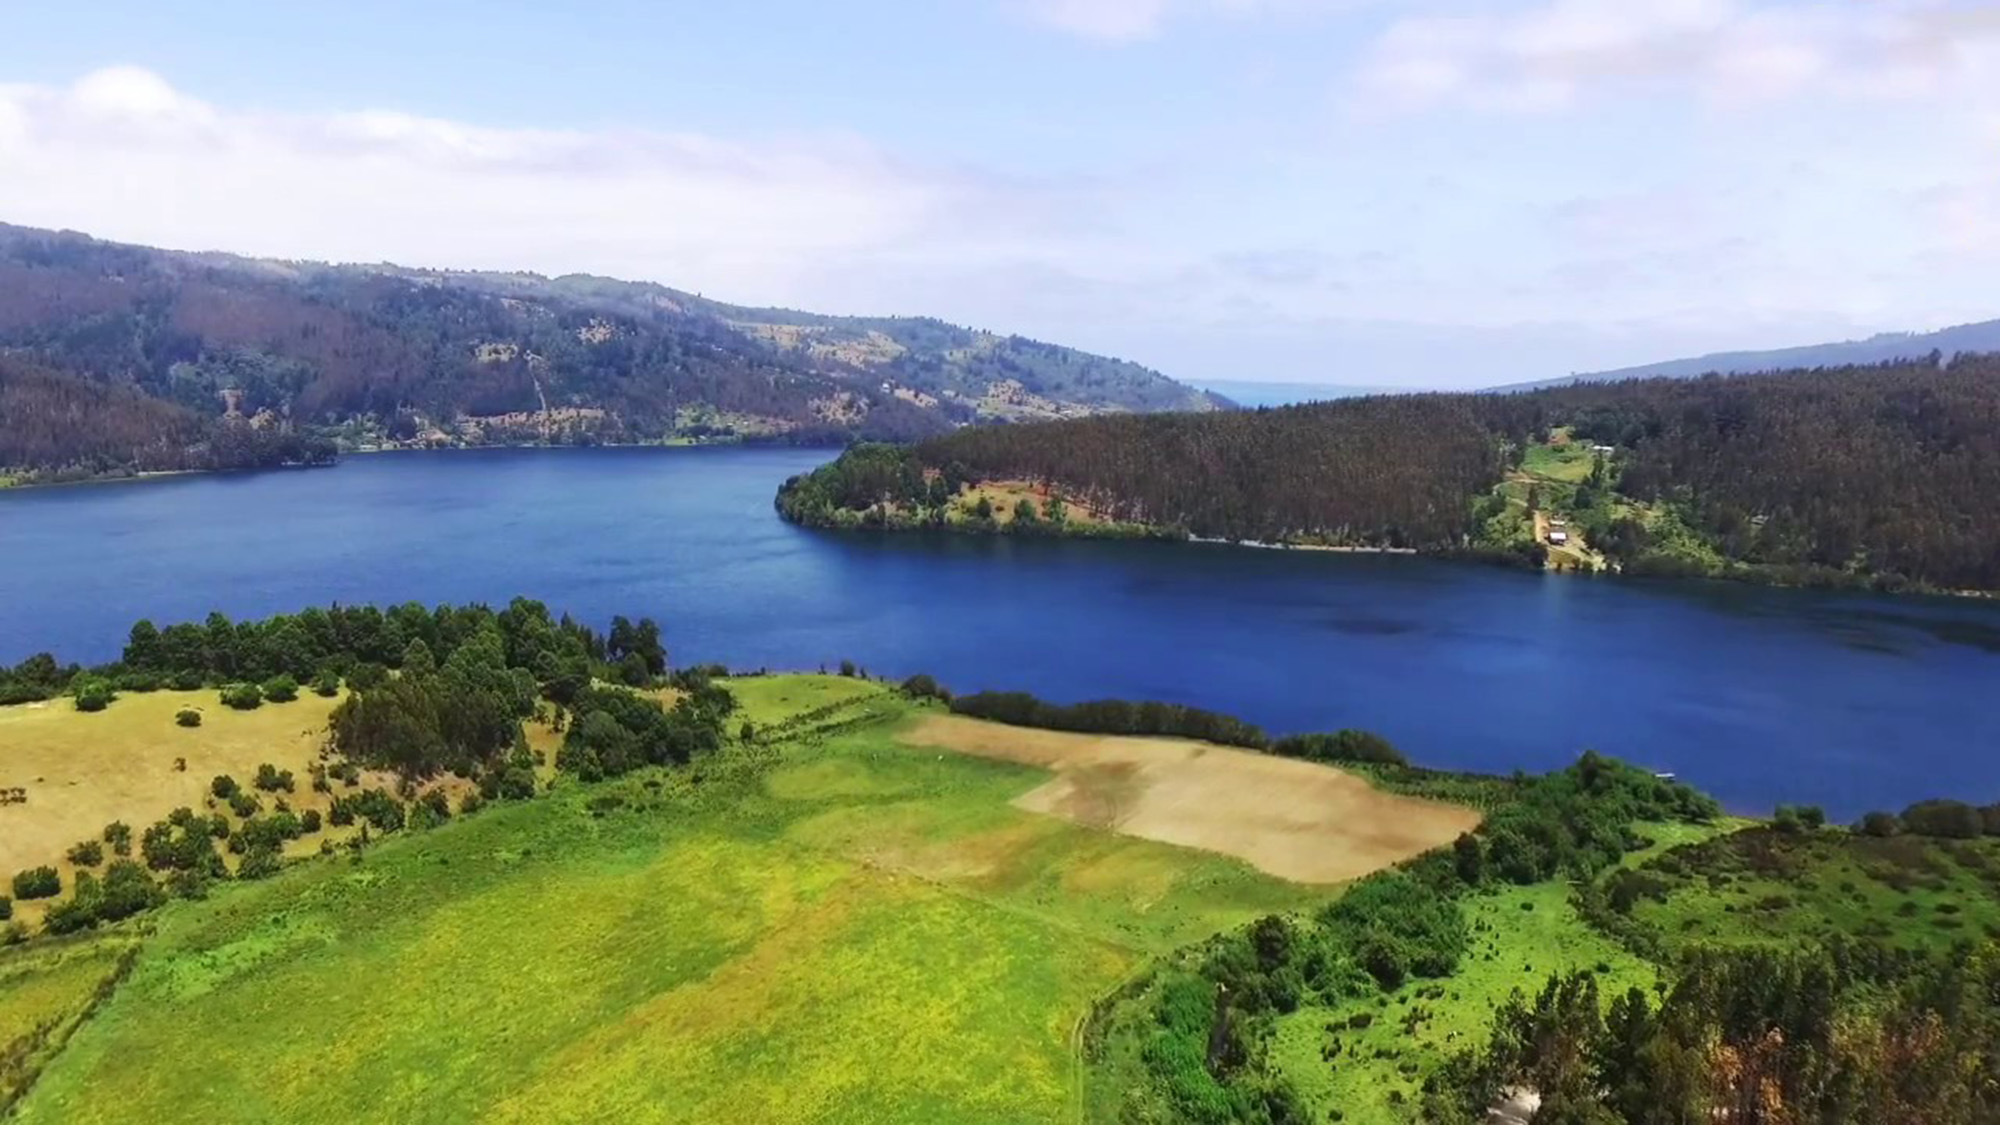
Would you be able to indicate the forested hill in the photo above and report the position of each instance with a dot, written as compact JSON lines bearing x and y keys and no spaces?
{"x":1886,"y":347}
{"x":1886,"y":475}
{"x":382,"y":355}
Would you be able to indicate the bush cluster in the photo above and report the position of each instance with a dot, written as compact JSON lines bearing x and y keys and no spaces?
{"x":613,"y":731}
{"x":37,"y":882}
{"x":1940,"y":818}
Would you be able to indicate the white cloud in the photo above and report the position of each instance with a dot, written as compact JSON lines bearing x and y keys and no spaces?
{"x":1549,"y":53}
{"x":1124,"y":21}
{"x":1113,"y":21}
{"x":122,"y":154}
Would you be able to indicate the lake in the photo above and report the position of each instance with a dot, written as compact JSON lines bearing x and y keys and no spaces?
{"x":1757,"y":695}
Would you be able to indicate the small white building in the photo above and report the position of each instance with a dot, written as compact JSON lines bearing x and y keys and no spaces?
{"x":1559,"y":537}
{"x":1604,"y":449}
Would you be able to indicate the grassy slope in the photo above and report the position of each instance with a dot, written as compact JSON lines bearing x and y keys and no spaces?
{"x":44,"y":991}
{"x":1744,"y":884}
{"x":1521,"y":935}
{"x":866,"y":932}
{"x":83,"y":771}
{"x":1762,"y":887}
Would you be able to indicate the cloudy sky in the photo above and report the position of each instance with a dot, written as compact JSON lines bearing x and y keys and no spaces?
{"x":1386,"y":192}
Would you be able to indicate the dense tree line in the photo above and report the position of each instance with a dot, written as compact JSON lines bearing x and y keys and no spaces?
{"x":1341,"y":746}
{"x":1392,"y":471}
{"x":358,"y":644}
{"x":1880,"y":475}
{"x":1111,"y":716}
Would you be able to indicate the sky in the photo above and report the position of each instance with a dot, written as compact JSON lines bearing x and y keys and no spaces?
{"x":1377,"y":192}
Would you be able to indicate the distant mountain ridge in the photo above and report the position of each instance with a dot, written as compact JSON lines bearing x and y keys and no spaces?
{"x":179,"y":344}
{"x":1886,"y":347}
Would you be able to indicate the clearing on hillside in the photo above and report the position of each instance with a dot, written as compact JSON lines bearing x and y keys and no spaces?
{"x":1300,"y":821}
{"x":83,"y":771}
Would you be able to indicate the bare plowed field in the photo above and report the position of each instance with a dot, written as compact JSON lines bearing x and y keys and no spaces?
{"x":1296,"y":820}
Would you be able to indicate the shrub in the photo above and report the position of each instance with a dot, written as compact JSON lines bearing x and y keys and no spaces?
{"x":245,"y":804}
{"x":187,"y":679}
{"x":430,"y":810}
{"x":271,"y":779}
{"x":633,"y":672}
{"x":1399,"y":928}
{"x":260,"y":864}
{"x":6,"y":908}
{"x":1880,"y":824}
{"x":1794,"y":819}
{"x":1951,"y":819}
{"x":310,"y":822}
{"x":37,"y":882}
{"x":119,"y":835}
{"x":326,"y":684}
{"x":921,"y":686}
{"x":188,"y":717}
{"x":224,"y":787}
{"x":88,"y":853}
{"x":367,"y":676}
{"x":94,"y":693}
{"x":141,"y":682}
{"x":281,"y":689}
{"x":242,"y":697}
{"x":125,"y":890}
{"x":375,"y":806}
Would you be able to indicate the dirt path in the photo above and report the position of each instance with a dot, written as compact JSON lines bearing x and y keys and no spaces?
{"x":1299,"y":821}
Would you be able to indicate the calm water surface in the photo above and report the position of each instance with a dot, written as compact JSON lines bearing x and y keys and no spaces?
{"x":1757,"y":695}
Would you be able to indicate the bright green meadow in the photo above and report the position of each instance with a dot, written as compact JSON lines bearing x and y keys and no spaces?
{"x":826,"y":926}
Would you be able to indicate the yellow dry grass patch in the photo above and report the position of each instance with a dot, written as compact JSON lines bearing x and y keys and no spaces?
{"x":83,"y":771}
{"x":1005,"y":494}
{"x":1297,"y":820}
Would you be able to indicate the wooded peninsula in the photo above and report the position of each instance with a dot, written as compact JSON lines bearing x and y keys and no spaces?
{"x":1878,"y":476}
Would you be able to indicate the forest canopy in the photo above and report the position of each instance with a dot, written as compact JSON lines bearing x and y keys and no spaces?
{"x":1880,"y":475}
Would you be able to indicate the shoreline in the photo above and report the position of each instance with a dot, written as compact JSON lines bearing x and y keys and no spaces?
{"x":1261,"y":545}
{"x":1743,"y":576}
{"x":23,"y":481}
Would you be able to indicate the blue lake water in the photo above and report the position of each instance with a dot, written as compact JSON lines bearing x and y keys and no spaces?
{"x":1757,"y":695}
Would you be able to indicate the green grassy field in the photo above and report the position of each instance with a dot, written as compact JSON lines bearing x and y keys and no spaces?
{"x":44,"y":992}
{"x":1569,"y":462}
{"x":841,"y":928}
{"x":1765,"y":887}
{"x":1385,"y":1044}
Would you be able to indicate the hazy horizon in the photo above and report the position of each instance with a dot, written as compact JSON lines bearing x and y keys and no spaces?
{"x":1434,"y":193}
